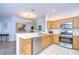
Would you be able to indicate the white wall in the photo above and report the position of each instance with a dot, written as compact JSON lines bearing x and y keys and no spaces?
{"x":29,"y":25}
{"x":41,"y":21}
{"x":65,"y":14}
{"x":23,"y":21}
{"x":19,"y":20}
{"x":6,"y":26}
{"x":10,"y":23}
{"x":0,"y":26}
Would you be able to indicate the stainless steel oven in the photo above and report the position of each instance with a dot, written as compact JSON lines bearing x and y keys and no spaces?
{"x":67,"y":38}
{"x":66,"y":34}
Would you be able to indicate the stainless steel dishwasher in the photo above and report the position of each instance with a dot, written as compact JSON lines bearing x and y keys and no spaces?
{"x":36,"y":45}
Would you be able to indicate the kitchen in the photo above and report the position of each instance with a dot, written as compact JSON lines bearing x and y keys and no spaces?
{"x":41,"y":28}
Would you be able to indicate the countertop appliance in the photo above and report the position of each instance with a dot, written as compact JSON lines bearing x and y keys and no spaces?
{"x":50,"y":31}
{"x":66,"y":35}
{"x":36,"y":45}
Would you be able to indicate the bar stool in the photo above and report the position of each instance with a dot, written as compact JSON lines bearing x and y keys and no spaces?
{"x":4,"y":35}
{"x":1,"y":37}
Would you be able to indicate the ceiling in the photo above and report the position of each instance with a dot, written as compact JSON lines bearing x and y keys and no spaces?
{"x":36,"y":10}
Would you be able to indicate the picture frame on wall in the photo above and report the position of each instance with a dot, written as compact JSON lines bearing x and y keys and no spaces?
{"x":20,"y":27}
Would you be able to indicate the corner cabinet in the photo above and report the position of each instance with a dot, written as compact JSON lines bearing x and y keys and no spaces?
{"x":56,"y":38}
{"x":76,"y":42}
{"x":25,"y":46}
{"x":76,"y":22}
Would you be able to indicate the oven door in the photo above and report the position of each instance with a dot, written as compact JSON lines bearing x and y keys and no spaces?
{"x":66,"y":40}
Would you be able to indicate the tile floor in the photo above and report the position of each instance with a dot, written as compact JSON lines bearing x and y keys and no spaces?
{"x":58,"y":50}
{"x":8,"y":48}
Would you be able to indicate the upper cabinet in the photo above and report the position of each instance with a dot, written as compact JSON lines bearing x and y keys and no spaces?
{"x":62,"y":21}
{"x":55,"y":24}
{"x":69,"y":20}
{"x":76,"y":22}
{"x":66,"y":20}
{"x":48,"y":24}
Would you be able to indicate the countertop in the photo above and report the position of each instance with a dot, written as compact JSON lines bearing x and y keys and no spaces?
{"x":29,"y":35}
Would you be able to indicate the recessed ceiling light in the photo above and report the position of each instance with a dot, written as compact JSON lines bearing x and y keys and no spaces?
{"x":53,"y":10}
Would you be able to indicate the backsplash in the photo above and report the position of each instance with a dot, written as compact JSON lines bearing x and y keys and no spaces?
{"x":55,"y":31}
{"x":75,"y":32}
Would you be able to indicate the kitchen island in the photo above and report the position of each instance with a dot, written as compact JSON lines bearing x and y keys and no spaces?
{"x":31,"y":43}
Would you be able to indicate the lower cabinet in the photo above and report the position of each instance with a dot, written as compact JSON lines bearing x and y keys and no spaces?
{"x":34,"y":45}
{"x":56,"y":38}
{"x":76,"y":42}
{"x":25,"y":46}
{"x":46,"y":40}
{"x":51,"y":39}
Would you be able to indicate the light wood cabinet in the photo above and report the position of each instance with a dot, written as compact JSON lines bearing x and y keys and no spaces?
{"x":50,"y":39}
{"x":43,"y":44}
{"x":46,"y":40}
{"x":76,"y":22}
{"x":62,"y":21}
{"x":69,"y":20}
{"x":25,"y":46}
{"x":55,"y":24}
{"x":76,"y":42}
{"x":48,"y":24}
{"x":56,"y":38}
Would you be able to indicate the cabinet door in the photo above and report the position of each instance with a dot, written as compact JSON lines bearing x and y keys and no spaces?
{"x":62,"y":21}
{"x":25,"y":47}
{"x":55,"y":24}
{"x":76,"y":22}
{"x":48,"y":24}
{"x":45,"y":41}
{"x":50,"y":39}
{"x":69,"y":20}
{"x":76,"y":42}
{"x":43,"y":44}
{"x":56,"y":38}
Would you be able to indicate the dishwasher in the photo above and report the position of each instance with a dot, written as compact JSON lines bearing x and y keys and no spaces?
{"x":36,"y":45}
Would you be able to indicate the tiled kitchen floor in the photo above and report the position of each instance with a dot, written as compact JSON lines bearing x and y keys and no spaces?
{"x":58,"y":50}
{"x":8,"y":48}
